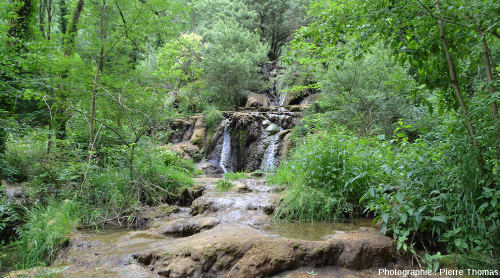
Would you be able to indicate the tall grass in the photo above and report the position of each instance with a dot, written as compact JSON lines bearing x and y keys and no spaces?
{"x":46,"y":230}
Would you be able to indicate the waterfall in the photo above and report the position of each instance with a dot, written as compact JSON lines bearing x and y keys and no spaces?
{"x":283,"y":98}
{"x":225,"y":155}
{"x":268,"y":161}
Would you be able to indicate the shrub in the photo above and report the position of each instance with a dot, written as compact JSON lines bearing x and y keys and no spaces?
{"x":326,"y":177}
{"x":212,"y":117}
{"x":108,"y":192}
{"x":224,"y":185}
{"x":435,"y":198}
{"x":24,"y":154}
{"x":46,"y":230}
{"x":162,"y":174}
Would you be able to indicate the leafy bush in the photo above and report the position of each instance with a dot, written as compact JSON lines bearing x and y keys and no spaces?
{"x":46,"y":230}
{"x":326,"y":177}
{"x":161,"y":174}
{"x":212,"y":117}
{"x":23,"y":154}
{"x":107,"y":192}
{"x":223,"y":185}
{"x":7,"y":171}
{"x":435,"y":198}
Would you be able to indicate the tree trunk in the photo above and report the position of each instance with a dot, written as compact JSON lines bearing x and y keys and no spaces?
{"x":49,"y":17}
{"x":41,"y":16}
{"x":60,"y":118}
{"x":491,"y":90}
{"x":71,"y":34}
{"x":96,"y":80}
{"x":131,"y":162}
{"x":456,"y":89}
{"x":63,"y":11}
{"x":19,"y":25}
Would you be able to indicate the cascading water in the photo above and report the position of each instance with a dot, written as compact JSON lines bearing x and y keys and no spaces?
{"x":268,"y":161}
{"x":225,"y":155}
{"x":283,"y":98}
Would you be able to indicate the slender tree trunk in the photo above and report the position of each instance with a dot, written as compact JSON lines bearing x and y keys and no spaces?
{"x":96,"y":80}
{"x":49,"y":17}
{"x":454,"y":84}
{"x":41,"y":16}
{"x":19,"y":25}
{"x":131,"y":162}
{"x":63,"y":21}
{"x":60,"y":118}
{"x":489,"y":77}
{"x":71,"y":33}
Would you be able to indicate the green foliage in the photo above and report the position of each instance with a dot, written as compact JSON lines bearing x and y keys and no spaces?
{"x":277,"y":20}
{"x":9,"y":218}
{"x":212,"y":117}
{"x":46,"y":230}
{"x":25,"y":154}
{"x":258,"y":173}
{"x":326,"y":177}
{"x":434,"y":197}
{"x":231,"y":61}
{"x":206,"y":14}
{"x":367,"y":95}
{"x":235,"y":176}
{"x":223,"y":185}
{"x":179,"y":64}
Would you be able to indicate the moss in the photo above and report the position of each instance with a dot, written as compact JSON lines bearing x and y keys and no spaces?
{"x":209,"y":251}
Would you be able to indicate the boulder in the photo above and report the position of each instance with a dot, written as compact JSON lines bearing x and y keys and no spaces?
{"x":257,"y":100}
{"x":209,"y":168}
{"x":185,"y":149}
{"x":272,"y":129}
{"x":187,"y":226}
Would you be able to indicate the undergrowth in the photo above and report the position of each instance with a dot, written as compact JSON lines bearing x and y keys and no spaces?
{"x":46,"y":230}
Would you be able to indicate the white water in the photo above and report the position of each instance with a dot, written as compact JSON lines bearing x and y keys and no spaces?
{"x":283,"y":98}
{"x":225,"y":155}
{"x":268,"y":161}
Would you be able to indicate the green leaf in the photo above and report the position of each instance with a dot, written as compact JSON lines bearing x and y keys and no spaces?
{"x":385,"y":217}
{"x":439,"y":218}
{"x":404,"y":217}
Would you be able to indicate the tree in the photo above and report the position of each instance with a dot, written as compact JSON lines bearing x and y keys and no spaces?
{"x":276,"y":21}
{"x":232,"y":60}
{"x":206,"y":13}
{"x":179,"y":64}
{"x":444,"y":44}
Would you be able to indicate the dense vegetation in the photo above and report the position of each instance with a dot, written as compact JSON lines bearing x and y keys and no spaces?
{"x":406,"y":127}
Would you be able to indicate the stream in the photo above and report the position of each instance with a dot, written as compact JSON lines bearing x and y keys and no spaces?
{"x":221,"y":234}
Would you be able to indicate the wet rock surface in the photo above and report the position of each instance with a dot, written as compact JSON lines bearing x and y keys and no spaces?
{"x":226,"y":234}
{"x":236,"y":251}
{"x":12,"y":191}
